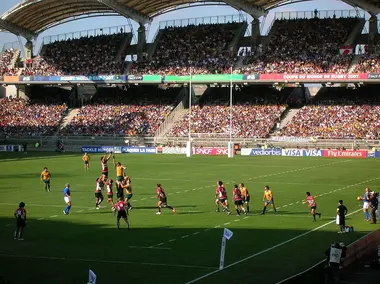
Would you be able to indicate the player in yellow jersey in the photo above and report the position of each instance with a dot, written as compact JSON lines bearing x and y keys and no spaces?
{"x":268,"y":199}
{"x":86,"y":160}
{"x":45,"y":178}
{"x":245,"y":196}
{"x":128,"y":192}
{"x":120,"y":171}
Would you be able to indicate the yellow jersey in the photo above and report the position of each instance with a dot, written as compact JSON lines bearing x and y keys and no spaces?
{"x":119,"y":171}
{"x":244,"y":191}
{"x":86,"y":158}
{"x":128,"y":189}
{"x":45,"y":175}
{"x":268,"y":195}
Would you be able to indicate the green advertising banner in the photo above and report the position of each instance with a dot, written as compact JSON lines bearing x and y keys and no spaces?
{"x":152,"y":78}
{"x":205,"y":78}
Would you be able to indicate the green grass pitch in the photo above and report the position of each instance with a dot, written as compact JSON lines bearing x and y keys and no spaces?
{"x":181,"y":247}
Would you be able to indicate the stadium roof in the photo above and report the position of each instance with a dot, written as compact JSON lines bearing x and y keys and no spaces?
{"x":31,"y":17}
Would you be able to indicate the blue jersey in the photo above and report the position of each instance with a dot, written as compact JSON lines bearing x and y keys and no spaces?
{"x":66,"y":192}
{"x":366,"y":197}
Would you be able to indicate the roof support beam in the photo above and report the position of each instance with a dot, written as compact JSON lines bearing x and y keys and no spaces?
{"x":253,"y":10}
{"x":127,"y":12}
{"x":17,"y":30}
{"x":370,"y":8}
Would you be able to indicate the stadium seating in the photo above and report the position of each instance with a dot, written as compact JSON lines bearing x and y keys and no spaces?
{"x":340,"y":113}
{"x":5,"y":61}
{"x":253,"y":116}
{"x":204,"y":48}
{"x":84,"y":56}
{"x":304,"y":46}
{"x":19,"y":117}
{"x":368,"y":64}
{"x":138,"y":111}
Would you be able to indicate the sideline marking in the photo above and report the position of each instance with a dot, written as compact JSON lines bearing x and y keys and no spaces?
{"x":268,"y":249}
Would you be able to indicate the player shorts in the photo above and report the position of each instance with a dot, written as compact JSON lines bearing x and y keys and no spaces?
{"x":86,"y":163}
{"x":110,"y":196}
{"x":47,"y":181}
{"x":222,"y":200}
{"x":129,"y":196}
{"x":246,"y":199}
{"x":105,"y":174}
{"x":21,"y":223}
{"x":67,"y":199}
{"x":119,"y":178}
{"x":268,"y":202}
{"x":120,"y":194}
{"x":238,"y":202}
{"x":98,"y":195}
{"x":121,"y":214}
{"x":342,"y":220}
{"x":365,"y":205}
{"x":313,"y":207}
{"x":164,"y":200}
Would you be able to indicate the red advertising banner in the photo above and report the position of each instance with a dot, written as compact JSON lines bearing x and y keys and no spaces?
{"x":210,"y":151}
{"x":345,"y":153}
{"x":362,"y":247}
{"x":314,"y":77}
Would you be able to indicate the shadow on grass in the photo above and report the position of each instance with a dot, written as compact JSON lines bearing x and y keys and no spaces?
{"x":54,"y":246}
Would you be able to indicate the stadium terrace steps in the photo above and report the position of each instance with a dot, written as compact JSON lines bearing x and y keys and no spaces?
{"x":15,"y":57}
{"x":67,"y":119}
{"x":239,"y":33}
{"x":152,"y":47}
{"x":288,"y":117}
{"x":354,"y":63}
{"x":355,"y":32}
{"x":123,"y":47}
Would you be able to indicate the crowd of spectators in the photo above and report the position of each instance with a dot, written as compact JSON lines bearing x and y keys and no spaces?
{"x":203,"y":48}
{"x":368,"y":63}
{"x":19,"y":117}
{"x":91,"y":55}
{"x":341,"y":116}
{"x":253,"y":116}
{"x":304,"y":46}
{"x":5,"y":63}
{"x":126,"y":115}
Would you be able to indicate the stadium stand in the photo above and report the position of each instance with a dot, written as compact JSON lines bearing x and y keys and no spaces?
{"x":5,"y":62}
{"x":368,"y":64}
{"x":253,"y":115}
{"x":204,"y":48}
{"x":304,"y":46}
{"x":138,"y":111}
{"x":337,"y":114}
{"x":84,"y":56}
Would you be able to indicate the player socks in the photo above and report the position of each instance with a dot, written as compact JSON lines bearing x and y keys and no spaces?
{"x":367,"y":215}
{"x":247,"y":209}
{"x":265,"y":209}
{"x":314,"y":217}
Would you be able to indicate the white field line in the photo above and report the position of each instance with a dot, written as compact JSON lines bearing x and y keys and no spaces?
{"x":266,"y":250}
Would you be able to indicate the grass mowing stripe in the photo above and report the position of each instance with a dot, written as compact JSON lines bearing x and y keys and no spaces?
{"x":268,"y":249}
{"x":105,"y":261}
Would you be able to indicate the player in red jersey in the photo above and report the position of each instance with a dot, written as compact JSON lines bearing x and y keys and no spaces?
{"x":162,"y":199}
{"x":313,"y":206}
{"x":238,"y":199}
{"x":121,"y":212}
{"x":98,"y":192}
{"x":104,"y":163}
{"x":20,"y":215}
{"x":221,"y":197}
{"x":109,"y":187}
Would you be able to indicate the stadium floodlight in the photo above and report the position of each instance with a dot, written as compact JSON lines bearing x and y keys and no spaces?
{"x":230,"y":146}
{"x":189,"y":148}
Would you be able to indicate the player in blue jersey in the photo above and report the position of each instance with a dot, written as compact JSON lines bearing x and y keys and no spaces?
{"x":67,"y":198}
{"x":366,"y":202}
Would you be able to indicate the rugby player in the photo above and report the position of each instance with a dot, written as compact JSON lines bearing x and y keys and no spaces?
{"x":238,"y":200}
{"x":162,"y":199}
{"x":67,"y":199}
{"x":120,"y":171}
{"x":45,"y":178}
{"x":128,"y":191}
{"x":20,"y":215}
{"x":98,"y":192}
{"x":121,"y":213}
{"x":104,"y":163}
{"x":366,"y":202}
{"x":109,"y":187}
{"x":221,"y":197}
{"x":268,"y":199}
{"x":245,"y":196}
{"x":312,"y":204}
{"x":86,"y":160}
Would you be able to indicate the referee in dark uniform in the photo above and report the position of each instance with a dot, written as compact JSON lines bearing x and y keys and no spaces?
{"x":341,"y":211}
{"x":373,"y":203}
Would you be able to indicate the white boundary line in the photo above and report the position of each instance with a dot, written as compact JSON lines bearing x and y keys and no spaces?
{"x":268,"y":249}
{"x":105,"y":261}
{"x":320,"y":262}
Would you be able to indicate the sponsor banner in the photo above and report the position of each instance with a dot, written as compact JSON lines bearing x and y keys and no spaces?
{"x":97,"y":78}
{"x":290,"y":139}
{"x":377,"y":154}
{"x":251,"y":77}
{"x":292,"y":152}
{"x":11,"y":148}
{"x":371,"y":154}
{"x":367,"y":245}
{"x":108,"y":149}
{"x":11,"y":79}
{"x":345,"y":153}
{"x":204,"y":78}
{"x":313,"y":153}
{"x":174,"y":150}
{"x":314,"y":77}
{"x":135,"y":78}
{"x":210,"y":151}
{"x":373,"y":76}
{"x":152,"y":78}
{"x":265,"y":152}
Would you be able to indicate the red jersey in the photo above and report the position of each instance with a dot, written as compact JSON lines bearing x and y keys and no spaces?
{"x":20,"y":214}
{"x":120,"y":206}
{"x":310,"y":200}
{"x":104,"y":167}
{"x":221,"y":192}
{"x":236,"y":194}
{"x":109,"y":186}
{"x":99,"y":186}
{"x":160,"y":192}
